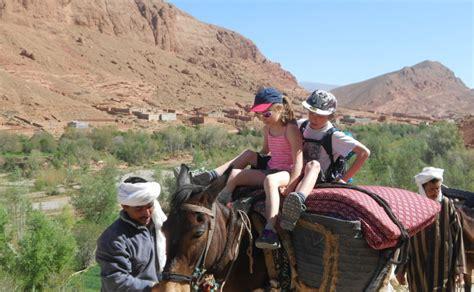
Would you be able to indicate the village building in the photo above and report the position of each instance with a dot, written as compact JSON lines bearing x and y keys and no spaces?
{"x":78,"y":125}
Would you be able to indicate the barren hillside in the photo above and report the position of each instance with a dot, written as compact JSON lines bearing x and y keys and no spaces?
{"x":425,"y":89}
{"x":60,"y":58}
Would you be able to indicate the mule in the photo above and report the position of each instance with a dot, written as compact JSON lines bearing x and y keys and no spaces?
{"x":209,"y":245}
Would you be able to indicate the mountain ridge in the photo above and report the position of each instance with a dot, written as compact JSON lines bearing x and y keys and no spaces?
{"x":441,"y":92}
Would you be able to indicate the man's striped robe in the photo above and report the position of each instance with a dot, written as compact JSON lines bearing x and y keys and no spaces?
{"x":436,"y":254}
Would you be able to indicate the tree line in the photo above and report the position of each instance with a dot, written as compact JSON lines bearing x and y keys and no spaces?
{"x":41,"y":252}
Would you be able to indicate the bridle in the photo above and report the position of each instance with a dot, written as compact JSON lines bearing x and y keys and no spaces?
{"x":199,"y":275}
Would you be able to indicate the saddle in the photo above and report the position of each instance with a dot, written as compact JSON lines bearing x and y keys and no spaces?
{"x":344,"y":231}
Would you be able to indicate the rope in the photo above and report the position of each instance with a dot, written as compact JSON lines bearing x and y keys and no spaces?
{"x":248,"y":227}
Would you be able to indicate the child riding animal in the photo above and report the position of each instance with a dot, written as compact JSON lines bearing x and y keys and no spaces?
{"x":278,"y":166}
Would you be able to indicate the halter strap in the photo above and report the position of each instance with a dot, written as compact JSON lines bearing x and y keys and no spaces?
{"x":199,"y":209}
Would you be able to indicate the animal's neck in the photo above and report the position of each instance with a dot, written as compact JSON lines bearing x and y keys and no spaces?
{"x":225,"y":240}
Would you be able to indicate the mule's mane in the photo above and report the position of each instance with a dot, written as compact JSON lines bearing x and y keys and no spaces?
{"x":184,"y":193}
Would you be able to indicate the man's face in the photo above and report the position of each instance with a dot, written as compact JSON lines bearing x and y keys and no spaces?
{"x":432,"y":189}
{"x":140,"y":214}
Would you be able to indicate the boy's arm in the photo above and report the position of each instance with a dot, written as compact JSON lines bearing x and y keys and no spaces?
{"x":362,"y":153}
{"x":296,"y":143}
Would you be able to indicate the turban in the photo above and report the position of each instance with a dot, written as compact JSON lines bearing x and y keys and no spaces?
{"x":426,"y":175}
{"x":140,"y":194}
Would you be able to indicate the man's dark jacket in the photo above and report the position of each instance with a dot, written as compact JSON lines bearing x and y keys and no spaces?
{"x":126,"y":255}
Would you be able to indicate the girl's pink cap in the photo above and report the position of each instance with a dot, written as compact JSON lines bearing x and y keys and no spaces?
{"x":258,"y":108}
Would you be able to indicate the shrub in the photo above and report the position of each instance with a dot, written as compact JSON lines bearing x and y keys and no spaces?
{"x":86,"y":235}
{"x":102,"y":138}
{"x":96,"y":200}
{"x":45,"y":252}
{"x":11,"y":143}
{"x":44,"y":142}
{"x":173,"y":140}
{"x":135,"y":148}
{"x":168,"y":187}
{"x":48,"y":179}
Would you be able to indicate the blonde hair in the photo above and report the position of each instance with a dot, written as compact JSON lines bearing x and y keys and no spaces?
{"x":286,"y":110}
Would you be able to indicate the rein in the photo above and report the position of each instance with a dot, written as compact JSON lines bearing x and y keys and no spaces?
{"x":199,"y":276}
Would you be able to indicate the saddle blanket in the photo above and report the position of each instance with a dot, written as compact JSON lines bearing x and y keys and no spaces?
{"x":414,"y":211}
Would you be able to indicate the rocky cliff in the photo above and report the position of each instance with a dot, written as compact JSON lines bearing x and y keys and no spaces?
{"x":60,"y":58}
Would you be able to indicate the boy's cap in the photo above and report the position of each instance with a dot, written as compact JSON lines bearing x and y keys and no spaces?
{"x":321,"y":102}
{"x":265,"y":98}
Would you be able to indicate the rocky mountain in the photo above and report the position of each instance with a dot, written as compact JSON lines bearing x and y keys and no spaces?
{"x":60,"y":59}
{"x":425,"y":89}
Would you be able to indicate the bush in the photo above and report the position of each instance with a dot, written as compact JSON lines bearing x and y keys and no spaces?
{"x":102,"y":138}
{"x":398,"y":152}
{"x":45,"y":252}
{"x":11,"y":143}
{"x":86,"y":235}
{"x":168,"y":187}
{"x":48,"y":179}
{"x":97,"y":200}
{"x":173,"y":139}
{"x":135,"y":148}
{"x":43,"y":141}
{"x":76,"y":151}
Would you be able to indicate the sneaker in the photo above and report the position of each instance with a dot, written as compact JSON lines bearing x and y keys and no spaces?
{"x":202,"y":179}
{"x":291,"y":211}
{"x":268,"y":240}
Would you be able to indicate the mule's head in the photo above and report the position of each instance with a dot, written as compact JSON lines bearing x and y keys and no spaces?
{"x":187,"y":231}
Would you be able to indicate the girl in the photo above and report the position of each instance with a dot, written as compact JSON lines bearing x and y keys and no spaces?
{"x":279,"y":171}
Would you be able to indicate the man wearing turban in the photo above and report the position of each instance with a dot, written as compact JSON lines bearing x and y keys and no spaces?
{"x":131,"y":251}
{"x":436,"y":256}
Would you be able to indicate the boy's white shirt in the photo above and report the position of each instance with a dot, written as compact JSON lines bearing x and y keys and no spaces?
{"x":342,"y":144}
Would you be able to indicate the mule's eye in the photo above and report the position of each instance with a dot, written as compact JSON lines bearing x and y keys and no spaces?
{"x":200,"y":217}
{"x":199,"y":232}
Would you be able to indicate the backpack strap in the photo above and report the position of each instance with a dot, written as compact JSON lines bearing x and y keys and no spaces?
{"x":326,"y":141}
{"x":303,"y":126}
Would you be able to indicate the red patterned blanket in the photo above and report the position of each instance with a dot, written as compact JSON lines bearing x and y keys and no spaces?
{"x":415,"y":212}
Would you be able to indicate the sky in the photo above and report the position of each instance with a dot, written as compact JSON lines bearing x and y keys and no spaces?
{"x":340,"y":42}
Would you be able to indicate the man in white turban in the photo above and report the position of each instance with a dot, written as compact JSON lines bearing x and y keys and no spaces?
{"x":429,"y":182}
{"x":131,"y":251}
{"x":436,"y":258}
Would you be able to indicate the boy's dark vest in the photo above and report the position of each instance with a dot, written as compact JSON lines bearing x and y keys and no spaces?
{"x":337,"y":168}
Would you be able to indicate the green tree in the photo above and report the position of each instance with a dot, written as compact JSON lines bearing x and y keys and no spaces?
{"x":11,"y":143}
{"x":45,"y":252}
{"x":102,"y":138}
{"x":44,"y":142}
{"x":97,"y":200}
{"x":135,"y":148}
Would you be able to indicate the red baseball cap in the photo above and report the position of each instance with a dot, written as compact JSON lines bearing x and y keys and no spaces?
{"x":265,"y":98}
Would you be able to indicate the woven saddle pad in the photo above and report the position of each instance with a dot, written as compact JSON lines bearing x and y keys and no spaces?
{"x":414,"y":211}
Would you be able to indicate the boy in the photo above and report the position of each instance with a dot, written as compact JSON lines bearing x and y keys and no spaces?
{"x":321,"y":164}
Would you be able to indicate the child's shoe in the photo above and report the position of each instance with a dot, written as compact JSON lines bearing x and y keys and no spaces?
{"x":291,"y":210}
{"x":268,"y":240}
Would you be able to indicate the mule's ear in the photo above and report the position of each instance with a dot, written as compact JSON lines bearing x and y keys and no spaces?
{"x":184,"y":176}
{"x":213,"y":190}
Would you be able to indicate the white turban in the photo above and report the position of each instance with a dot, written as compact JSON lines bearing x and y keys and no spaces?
{"x":426,"y":175}
{"x":140,"y":194}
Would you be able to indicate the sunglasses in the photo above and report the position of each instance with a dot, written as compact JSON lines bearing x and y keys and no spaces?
{"x":266,"y":114}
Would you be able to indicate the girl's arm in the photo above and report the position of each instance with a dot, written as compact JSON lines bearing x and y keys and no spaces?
{"x":362,"y":153}
{"x":293,"y":135}
{"x":265,"y":149}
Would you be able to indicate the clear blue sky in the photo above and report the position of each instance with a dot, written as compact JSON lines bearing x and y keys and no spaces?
{"x":341,"y":42}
